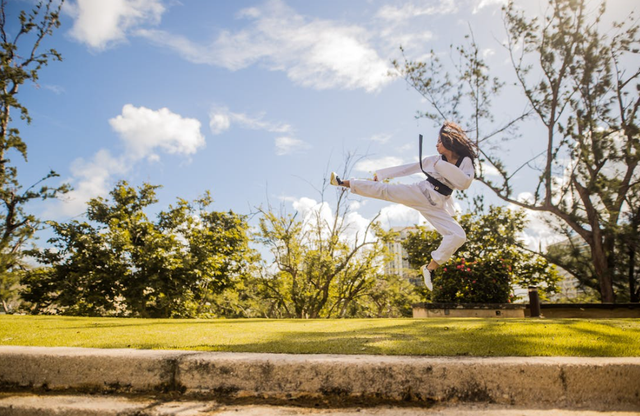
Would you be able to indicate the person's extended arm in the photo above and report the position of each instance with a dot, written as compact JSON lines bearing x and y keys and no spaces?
{"x":460,"y":177}
{"x":398,"y":171}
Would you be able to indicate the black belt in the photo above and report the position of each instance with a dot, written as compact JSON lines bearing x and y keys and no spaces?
{"x":439,"y":186}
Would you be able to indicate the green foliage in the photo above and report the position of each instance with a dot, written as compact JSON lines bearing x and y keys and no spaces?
{"x":488,"y":264}
{"x":391,"y":296}
{"x":319,"y":269}
{"x":124,"y":264}
{"x":20,"y":63}
{"x":628,"y":250}
{"x":9,"y":286}
{"x":575,"y":257}
{"x":481,"y":281}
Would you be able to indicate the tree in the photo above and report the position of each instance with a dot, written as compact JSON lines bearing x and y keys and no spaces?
{"x":318,"y":268}
{"x":127,"y":265}
{"x":632,"y":242}
{"x":392,"y":296}
{"x":20,"y":63}
{"x":487,"y":266}
{"x":580,"y":85}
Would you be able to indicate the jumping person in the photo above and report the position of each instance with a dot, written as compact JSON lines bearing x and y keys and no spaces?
{"x":452,"y":169}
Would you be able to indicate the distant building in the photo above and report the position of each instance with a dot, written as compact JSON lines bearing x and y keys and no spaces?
{"x":569,"y":287}
{"x":399,"y":265}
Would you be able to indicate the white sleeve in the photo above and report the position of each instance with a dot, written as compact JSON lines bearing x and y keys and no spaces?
{"x":398,"y":171}
{"x":460,"y":177}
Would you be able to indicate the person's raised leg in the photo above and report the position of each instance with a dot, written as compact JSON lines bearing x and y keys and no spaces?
{"x":409,"y":195}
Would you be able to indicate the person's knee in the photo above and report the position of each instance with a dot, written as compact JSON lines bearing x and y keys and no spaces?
{"x":459,"y":238}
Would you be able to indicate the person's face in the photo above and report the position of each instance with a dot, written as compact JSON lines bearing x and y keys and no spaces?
{"x":439,"y":146}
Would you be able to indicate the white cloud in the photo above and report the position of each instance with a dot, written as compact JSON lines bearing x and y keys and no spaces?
{"x":355,"y":205}
{"x":100,"y":24}
{"x":309,"y":207}
{"x":488,"y":52}
{"x":396,"y":215}
{"x":256,"y":123}
{"x":221,"y":119}
{"x":90,"y":179}
{"x":356,"y":227}
{"x":144,"y":130}
{"x":56,"y":89}
{"x":371,"y":165}
{"x":538,"y":235}
{"x":192,"y":52}
{"x":412,"y":10}
{"x":526,"y":197}
{"x":313,"y":213}
{"x":381,"y":138}
{"x":396,"y":35}
{"x":355,"y":224}
{"x":219,"y":122}
{"x":481,"y":4}
{"x":490,"y":170}
{"x":289,"y":145}
{"x":319,"y":54}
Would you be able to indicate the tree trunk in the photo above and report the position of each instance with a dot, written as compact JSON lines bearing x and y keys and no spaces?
{"x":633,"y":295}
{"x":634,"y":246}
{"x":603,"y":272}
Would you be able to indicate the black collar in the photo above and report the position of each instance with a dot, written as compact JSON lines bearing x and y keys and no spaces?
{"x":458,"y":162}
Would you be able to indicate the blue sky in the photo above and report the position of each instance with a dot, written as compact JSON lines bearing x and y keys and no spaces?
{"x":255,"y":101}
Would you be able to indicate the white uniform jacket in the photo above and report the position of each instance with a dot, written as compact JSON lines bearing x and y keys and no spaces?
{"x":447,"y":173}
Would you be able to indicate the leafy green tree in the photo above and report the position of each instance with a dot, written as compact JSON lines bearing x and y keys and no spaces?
{"x":317,"y":271}
{"x":121,"y":263}
{"x":488,"y":264}
{"x":574,"y":256}
{"x":629,"y":248}
{"x":391,"y":296}
{"x":579,"y":81}
{"x":20,"y":62}
{"x":9,"y":287}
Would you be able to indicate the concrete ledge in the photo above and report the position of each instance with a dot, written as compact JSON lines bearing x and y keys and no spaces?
{"x":558,"y":381}
{"x":469,"y":310}
{"x":589,"y":310}
{"x":522,"y":310}
{"x":87,"y":369}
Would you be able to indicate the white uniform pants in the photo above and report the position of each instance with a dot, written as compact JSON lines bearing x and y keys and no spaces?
{"x":428,"y":202}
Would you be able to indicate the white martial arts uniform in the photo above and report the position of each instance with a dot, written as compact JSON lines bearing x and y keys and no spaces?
{"x":435,"y":207}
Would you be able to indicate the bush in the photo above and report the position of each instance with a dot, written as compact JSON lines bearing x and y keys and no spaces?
{"x":486,"y":281}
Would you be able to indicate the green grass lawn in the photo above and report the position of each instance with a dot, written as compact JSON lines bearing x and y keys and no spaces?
{"x":443,"y":337}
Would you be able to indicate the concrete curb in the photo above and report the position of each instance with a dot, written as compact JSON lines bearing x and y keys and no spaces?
{"x":566,"y":382}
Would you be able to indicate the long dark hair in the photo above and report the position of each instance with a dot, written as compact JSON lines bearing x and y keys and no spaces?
{"x":453,"y":138}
